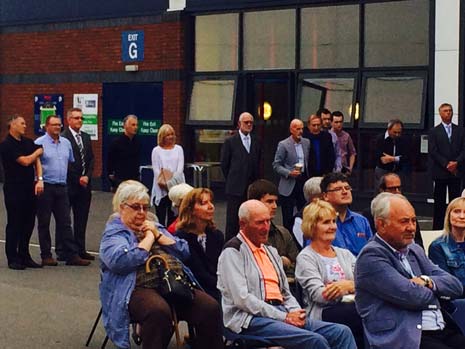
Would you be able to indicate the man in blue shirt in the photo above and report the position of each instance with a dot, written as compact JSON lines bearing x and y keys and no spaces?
{"x":57,"y":154}
{"x":353,"y":230}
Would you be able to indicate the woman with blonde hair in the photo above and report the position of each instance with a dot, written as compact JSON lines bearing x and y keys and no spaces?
{"x":325,"y":272}
{"x":197,"y":227}
{"x":448,"y":250}
{"x":168,"y":170}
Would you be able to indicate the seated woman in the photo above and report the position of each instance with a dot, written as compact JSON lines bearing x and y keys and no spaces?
{"x":128,"y":240}
{"x":176,"y":194}
{"x":325,"y":272}
{"x":196,"y":226}
{"x":448,"y":250}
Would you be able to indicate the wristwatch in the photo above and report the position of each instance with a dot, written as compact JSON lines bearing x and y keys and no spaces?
{"x":427,"y":280}
{"x":40,"y":178}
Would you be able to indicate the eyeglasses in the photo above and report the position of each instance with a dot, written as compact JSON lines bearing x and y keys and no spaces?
{"x":77,"y":118}
{"x":337,"y":189}
{"x":247,"y":122}
{"x":138,"y":207}
{"x":55,"y":125}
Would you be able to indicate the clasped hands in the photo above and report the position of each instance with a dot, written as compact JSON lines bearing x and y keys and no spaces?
{"x":296,"y":318}
{"x":337,"y":289}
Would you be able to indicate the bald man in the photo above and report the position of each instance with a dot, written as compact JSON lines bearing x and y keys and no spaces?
{"x":291,"y":164}
{"x":256,"y":300}
{"x":240,"y":161}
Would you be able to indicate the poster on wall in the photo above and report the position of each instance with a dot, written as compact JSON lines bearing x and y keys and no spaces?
{"x":45,"y":105}
{"x":88,"y":103}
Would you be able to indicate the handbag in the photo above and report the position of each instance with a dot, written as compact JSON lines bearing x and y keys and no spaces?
{"x":163,"y":178}
{"x":173,"y":287}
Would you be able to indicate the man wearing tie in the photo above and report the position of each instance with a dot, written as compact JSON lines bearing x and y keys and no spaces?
{"x":240,"y":161}
{"x":446,"y":148}
{"x":78,"y":180}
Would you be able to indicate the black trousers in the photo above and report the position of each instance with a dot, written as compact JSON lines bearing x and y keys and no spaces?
{"x":448,"y":338}
{"x":20,"y":203}
{"x":296,"y":199}
{"x":439,"y":195}
{"x":79,"y":200}
{"x":232,"y":219}
{"x":151,"y":311}
{"x":164,"y":211}
{"x":346,"y":314}
{"x":55,"y":200}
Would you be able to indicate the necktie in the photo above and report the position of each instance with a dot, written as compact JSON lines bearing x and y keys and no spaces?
{"x":247,"y":143}
{"x":449,"y":131}
{"x":81,"y":152}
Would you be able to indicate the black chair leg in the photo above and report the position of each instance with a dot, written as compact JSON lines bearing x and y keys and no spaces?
{"x":104,"y":344}
{"x":91,"y":334}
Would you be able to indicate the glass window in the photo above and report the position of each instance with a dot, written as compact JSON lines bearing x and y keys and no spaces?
{"x":396,"y":33}
{"x":393,"y":97}
{"x":329,"y":37}
{"x":216,"y":38}
{"x":212,"y":101}
{"x":331,"y":93}
{"x":269,"y":39}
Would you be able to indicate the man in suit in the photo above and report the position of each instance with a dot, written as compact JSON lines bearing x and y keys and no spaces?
{"x":322,"y":155}
{"x":446,"y":148}
{"x":391,"y":151}
{"x":240,"y":161}
{"x":79,"y":177}
{"x":291,"y":164}
{"x":398,"y":289}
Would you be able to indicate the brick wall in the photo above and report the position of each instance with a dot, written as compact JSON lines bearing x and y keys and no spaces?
{"x":87,"y":50}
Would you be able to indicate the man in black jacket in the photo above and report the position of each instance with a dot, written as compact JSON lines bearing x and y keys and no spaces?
{"x":322,"y":155}
{"x":240,"y":161}
{"x":391,"y":151}
{"x":446,"y":148}
{"x":79,"y":179}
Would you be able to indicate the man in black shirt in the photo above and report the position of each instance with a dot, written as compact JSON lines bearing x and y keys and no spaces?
{"x":20,"y":156}
{"x":124,"y":154}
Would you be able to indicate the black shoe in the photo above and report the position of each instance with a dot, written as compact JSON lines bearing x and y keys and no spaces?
{"x":87,"y":256}
{"x":29,"y":263}
{"x":16,"y":266}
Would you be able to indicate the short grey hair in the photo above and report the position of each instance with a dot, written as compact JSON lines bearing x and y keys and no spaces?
{"x":312,"y":187}
{"x":245,"y":208}
{"x":381,"y":204}
{"x":243,"y":115}
{"x":177,"y":193}
{"x":127,"y":117}
{"x":129,"y":190}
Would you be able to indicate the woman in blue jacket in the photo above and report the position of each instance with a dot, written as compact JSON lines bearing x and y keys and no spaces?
{"x":127,"y":242}
{"x":448,"y":250}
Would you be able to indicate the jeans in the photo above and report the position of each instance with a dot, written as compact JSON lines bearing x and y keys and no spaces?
{"x":314,"y":335}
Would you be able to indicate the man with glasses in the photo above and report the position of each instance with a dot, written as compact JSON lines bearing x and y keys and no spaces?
{"x":446,"y":148}
{"x":390,"y":183}
{"x":78,"y":181}
{"x":57,"y":154}
{"x":240,"y":161}
{"x":353,"y":230}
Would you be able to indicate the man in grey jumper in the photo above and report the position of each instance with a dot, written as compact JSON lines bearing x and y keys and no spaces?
{"x":255,"y":293}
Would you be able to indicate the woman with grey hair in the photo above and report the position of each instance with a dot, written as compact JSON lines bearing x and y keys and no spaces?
{"x":127,"y":242}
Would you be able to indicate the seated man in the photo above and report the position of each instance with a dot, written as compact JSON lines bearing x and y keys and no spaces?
{"x":278,"y":237}
{"x":256,"y":299}
{"x":353,"y":230}
{"x":391,"y":183}
{"x":312,"y":191}
{"x":398,"y":289}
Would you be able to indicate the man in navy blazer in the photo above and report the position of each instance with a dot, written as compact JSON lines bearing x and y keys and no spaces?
{"x":291,"y":164}
{"x":79,"y":179}
{"x":398,"y":289}
{"x":446,"y":148}
{"x":240,"y":163}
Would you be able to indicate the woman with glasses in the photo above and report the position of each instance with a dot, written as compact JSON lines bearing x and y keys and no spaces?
{"x":168,"y":170}
{"x":325,"y":272}
{"x":128,"y":241}
{"x":197,"y":227}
